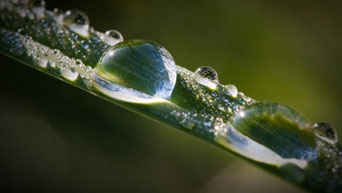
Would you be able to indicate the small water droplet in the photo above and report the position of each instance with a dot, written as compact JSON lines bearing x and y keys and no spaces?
{"x":52,"y":63}
{"x":77,"y":21}
{"x":231,"y":90}
{"x":76,"y":17}
{"x":207,"y":72}
{"x":221,"y":108}
{"x":136,"y":71}
{"x":38,"y":7}
{"x":43,"y":61}
{"x":84,"y":44}
{"x":325,"y":132}
{"x":59,"y":14}
{"x":69,"y":73}
{"x":112,"y":37}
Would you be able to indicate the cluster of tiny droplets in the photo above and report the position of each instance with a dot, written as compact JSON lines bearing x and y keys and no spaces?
{"x":52,"y":43}
{"x":48,"y":28}
{"x":44,"y":57}
{"x":332,"y":162}
{"x":213,"y":101}
{"x":69,"y":68}
{"x":200,"y":124}
{"x":15,"y":47}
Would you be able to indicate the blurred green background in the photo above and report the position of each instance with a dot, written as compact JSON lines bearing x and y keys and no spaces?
{"x":57,"y":138}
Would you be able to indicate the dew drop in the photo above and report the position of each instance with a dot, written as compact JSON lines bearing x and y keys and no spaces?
{"x":278,"y":127}
{"x":207,"y":72}
{"x":59,"y":16}
{"x":231,"y":90}
{"x":38,"y":7}
{"x":43,"y":61}
{"x":84,"y":44}
{"x":136,"y":71}
{"x":77,"y":21}
{"x":69,"y":73}
{"x":325,"y":132}
{"x":52,"y":63}
{"x":112,"y":37}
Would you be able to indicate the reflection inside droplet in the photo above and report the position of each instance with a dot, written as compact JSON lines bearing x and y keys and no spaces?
{"x":136,"y":71}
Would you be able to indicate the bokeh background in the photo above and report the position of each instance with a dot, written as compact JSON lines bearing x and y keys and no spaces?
{"x":57,"y":138}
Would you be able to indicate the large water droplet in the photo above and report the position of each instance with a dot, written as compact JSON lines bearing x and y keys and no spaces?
{"x":136,"y":71}
{"x":278,"y":127}
{"x":112,"y":37}
{"x":77,"y":21}
{"x":325,"y":132}
{"x":207,"y":72}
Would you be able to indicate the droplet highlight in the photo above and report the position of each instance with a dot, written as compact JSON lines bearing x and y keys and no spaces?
{"x":136,"y":71}
{"x":325,"y":132}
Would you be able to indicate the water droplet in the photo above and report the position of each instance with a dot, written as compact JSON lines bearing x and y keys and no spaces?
{"x":38,"y":7}
{"x":69,"y":73}
{"x":207,"y":72}
{"x":231,"y":90}
{"x":77,"y":21}
{"x":59,"y":16}
{"x":21,"y":11}
{"x":325,"y":132}
{"x":278,"y":127}
{"x":52,"y":63}
{"x":112,"y":37}
{"x":229,"y":137}
{"x":43,"y":61}
{"x":136,"y":71}
{"x":84,"y":44}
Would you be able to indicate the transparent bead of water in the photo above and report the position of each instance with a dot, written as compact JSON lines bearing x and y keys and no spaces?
{"x":207,"y":72}
{"x":77,"y":21}
{"x":38,"y":7}
{"x":136,"y":71}
{"x":69,"y":73}
{"x":325,"y":132}
{"x":112,"y":37}
{"x":231,"y":90}
{"x":59,"y":16}
{"x":278,"y":127}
